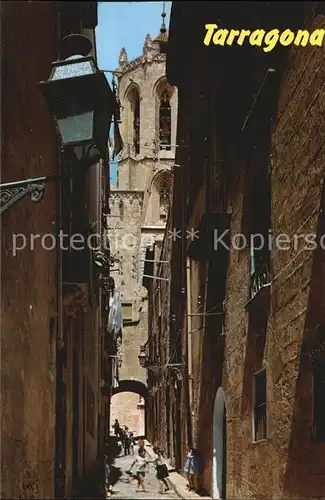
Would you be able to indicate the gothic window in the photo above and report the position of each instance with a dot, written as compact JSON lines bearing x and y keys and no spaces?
{"x":162,"y":186}
{"x":136,"y":125}
{"x":164,"y":197}
{"x":165,"y":121}
{"x":133,"y":120}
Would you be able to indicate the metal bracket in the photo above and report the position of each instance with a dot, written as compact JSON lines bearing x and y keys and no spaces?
{"x":11,"y":192}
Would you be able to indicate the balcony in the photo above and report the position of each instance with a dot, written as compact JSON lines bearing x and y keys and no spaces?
{"x":110,"y":344}
{"x":260,"y":280}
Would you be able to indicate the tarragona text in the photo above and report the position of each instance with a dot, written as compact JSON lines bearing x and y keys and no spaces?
{"x":262,"y":38}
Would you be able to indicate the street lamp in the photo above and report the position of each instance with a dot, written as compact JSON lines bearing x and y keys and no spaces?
{"x":79,"y":97}
{"x":82,"y":104}
{"x":143,"y":356}
{"x":108,"y":284}
{"x":101,"y":260}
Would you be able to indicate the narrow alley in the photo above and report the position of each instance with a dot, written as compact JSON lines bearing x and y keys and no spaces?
{"x":162,"y":250}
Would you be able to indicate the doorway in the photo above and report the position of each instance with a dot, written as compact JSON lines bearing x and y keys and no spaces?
{"x":219,"y":452}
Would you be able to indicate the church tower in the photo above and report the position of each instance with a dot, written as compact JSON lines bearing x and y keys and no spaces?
{"x":139,"y":207}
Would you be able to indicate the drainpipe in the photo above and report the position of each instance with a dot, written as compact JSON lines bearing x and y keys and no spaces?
{"x":99,"y":353}
{"x":189,"y":344}
{"x":205,"y":293}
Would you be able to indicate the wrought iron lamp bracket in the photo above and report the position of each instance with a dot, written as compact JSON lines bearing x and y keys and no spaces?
{"x":176,"y":369}
{"x":12,"y":192}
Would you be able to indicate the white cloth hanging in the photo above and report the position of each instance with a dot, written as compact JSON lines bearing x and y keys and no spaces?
{"x":115,"y":318}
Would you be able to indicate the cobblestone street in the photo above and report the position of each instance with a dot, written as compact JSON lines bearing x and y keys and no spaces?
{"x":126,"y":486}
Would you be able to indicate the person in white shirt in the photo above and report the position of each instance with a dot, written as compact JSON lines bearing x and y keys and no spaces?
{"x":140,"y":464}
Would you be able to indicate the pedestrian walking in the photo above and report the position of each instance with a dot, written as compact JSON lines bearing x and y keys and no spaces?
{"x":127,"y":444}
{"x":112,"y":474}
{"x":122,"y":438}
{"x":132,"y":443}
{"x":140,"y":465}
{"x":116,"y":427}
{"x":162,"y":470}
{"x":191,"y":468}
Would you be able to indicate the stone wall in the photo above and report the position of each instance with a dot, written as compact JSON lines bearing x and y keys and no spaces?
{"x":28,"y":298}
{"x":297,"y":172}
{"x":288,"y":463}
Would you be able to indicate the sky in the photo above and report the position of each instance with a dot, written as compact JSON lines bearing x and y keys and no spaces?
{"x":125,"y":24}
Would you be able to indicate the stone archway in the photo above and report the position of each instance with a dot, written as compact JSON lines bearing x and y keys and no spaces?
{"x":131,"y":395}
{"x":132,"y":386}
{"x":219,"y":451}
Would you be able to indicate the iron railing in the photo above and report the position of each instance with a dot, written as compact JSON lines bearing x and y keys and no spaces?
{"x":259,"y":280}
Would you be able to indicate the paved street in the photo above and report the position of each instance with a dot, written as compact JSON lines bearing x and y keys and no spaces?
{"x":126,"y":486}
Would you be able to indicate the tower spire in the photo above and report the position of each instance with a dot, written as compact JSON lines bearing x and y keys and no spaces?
{"x":163,"y":26}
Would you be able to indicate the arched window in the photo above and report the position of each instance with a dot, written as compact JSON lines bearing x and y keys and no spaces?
{"x":163,"y":93}
{"x":165,"y":121}
{"x":161,"y":192}
{"x":133,"y":119}
{"x":164,"y":200}
{"x":136,"y":124}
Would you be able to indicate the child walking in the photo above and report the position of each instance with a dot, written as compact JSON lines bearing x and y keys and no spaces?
{"x":140,"y":463}
{"x":112,"y":475}
{"x":191,"y":468}
{"x":162,"y":470}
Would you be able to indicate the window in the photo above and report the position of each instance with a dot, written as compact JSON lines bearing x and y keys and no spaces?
{"x":259,"y":416}
{"x":319,"y":400}
{"x":136,"y":124}
{"x":127,"y":312}
{"x":259,"y":225}
{"x":162,"y":185}
{"x":132,"y":119}
{"x":164,"y":197}
{"x":165,"y":121}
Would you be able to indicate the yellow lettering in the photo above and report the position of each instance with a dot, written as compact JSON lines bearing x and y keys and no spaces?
{"x":219,"y":37}
{"x":242,"y":35}
{"x":271,"y":39}
{"x":286,"y":38}
{"x":301,"y":38}
{"x":231,"y":36}
{"x":256,"y":37}
{"x":316,"y":38}
{"x":210,"y":29}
